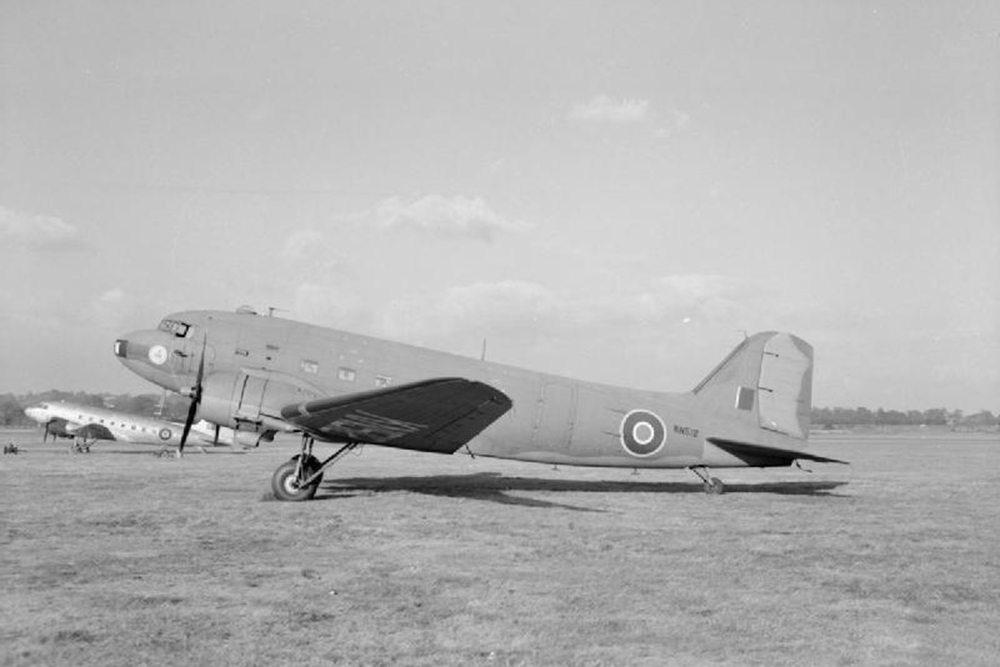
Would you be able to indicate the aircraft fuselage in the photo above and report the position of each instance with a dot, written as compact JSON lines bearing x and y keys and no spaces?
{"x":254,"y":365}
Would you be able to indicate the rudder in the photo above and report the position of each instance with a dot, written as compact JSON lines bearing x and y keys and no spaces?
{"x":765,"y":381}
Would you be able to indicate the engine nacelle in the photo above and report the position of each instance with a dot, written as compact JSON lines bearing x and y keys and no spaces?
{"x":251,"y":399}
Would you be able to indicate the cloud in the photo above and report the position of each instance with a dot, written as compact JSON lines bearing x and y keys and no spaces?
{"x":303,"y":244}
{"x":507,"y":307}
{"x":603,"y":109}
{"x":530,"y":311}
{"x":112,"y":296}
{"x":36,"y":232}
{"x":675,"y":123}
{"x":309,"y":252}
{"x":525,"y":310}
{"x":442,"y":216}
{"x":110,"y":308}
{"x":332,"y":306}
{"x":663,"y":333}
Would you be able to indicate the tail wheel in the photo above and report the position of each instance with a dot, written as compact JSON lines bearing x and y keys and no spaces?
{"x":287,"y":484}
{"x":715,"y":487}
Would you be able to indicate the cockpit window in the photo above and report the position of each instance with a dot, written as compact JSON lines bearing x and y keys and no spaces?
{"x":176,"y":327}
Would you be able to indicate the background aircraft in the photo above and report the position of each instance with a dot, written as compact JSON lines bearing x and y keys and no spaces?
{"x":86,"y":424}
{"x":268,"y":374}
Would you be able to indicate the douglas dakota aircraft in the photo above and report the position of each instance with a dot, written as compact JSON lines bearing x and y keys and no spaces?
{"x":87,"y":424}
{"x":268,"y":375}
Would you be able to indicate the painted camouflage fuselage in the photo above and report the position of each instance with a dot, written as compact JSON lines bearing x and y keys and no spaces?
{"x":553,"y":419}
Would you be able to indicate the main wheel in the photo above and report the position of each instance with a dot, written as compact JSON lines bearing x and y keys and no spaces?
{"x":287,"y":486}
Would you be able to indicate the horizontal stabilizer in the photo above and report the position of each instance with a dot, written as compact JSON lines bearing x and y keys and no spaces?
{"x":438,"y":415}
{"x":755,"y":453}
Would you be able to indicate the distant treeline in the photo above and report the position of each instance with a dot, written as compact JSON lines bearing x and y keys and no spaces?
{"x":846,"y":417}
{"x":174,"y":408}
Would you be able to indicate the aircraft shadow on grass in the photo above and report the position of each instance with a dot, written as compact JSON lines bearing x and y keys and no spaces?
{"x":495,"y":487}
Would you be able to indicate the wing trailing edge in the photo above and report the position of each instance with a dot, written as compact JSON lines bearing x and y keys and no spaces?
{"x":752,"y":453}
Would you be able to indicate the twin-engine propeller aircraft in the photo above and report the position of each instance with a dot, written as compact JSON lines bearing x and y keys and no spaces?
{"x":87,"y":424}
{"x":268,"y":375}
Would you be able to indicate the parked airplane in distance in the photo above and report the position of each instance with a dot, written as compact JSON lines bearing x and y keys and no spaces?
{"x":268,"y":374}
{"x":86,"y":424}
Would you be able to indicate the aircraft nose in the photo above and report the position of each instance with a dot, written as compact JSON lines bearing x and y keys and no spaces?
{"x":149,"y":355}
{"x":141,"y":346}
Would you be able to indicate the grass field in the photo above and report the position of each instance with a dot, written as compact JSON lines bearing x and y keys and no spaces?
{"x":122,"y":558}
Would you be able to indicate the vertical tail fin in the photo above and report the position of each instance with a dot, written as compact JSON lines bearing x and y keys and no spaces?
{"x":765,"y":381}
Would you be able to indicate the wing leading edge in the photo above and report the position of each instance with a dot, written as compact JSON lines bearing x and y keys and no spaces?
{"x":437,"y":415}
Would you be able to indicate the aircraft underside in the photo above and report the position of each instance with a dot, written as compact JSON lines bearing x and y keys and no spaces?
{"x":299,"y":478}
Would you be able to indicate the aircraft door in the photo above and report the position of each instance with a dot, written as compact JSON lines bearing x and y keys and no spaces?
{"x":556,"y":417}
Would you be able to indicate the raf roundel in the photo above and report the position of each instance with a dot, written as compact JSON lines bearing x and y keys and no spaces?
{"x":158,"y":355}
{"x":643,"y":433}
{"x":165,"y":434}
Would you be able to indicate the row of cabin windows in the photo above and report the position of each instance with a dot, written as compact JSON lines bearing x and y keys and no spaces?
{"x":311,"y":367}
{"x":344,"y":373}
{"x":122,"y":424}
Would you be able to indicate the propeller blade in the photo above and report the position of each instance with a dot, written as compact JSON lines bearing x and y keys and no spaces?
{"x":215,"y":441}
{"x":192,"y":411}
{"x":195,"y":398}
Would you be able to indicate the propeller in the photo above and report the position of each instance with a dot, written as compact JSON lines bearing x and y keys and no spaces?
{"x":195,"y":398}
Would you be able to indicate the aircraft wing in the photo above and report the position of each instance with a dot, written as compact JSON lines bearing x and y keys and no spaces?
{"x":437,"y":415}
{"x":91,"y":432}
{"x":754,"y":453}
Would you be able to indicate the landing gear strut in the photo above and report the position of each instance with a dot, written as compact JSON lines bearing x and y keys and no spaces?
{"x":712,"y":485}
{"x":80,"y":446}
{"x":298,"y":479}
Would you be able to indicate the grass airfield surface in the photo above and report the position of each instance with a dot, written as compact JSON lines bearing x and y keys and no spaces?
{"x":122,"y":558}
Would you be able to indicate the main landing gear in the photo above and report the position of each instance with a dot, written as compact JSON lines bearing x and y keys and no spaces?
{"x":712,"y":485}
{"x":298,"y":479}
{"x":81,"y":446}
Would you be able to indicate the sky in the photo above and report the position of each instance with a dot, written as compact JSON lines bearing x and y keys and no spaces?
{"x":615,"y":192}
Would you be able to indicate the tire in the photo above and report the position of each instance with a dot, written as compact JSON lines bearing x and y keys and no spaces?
{"x":285,"y":486}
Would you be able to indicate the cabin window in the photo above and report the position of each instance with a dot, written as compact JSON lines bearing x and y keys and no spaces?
{"x":346,"y":374}
{"x":309,"y":366}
